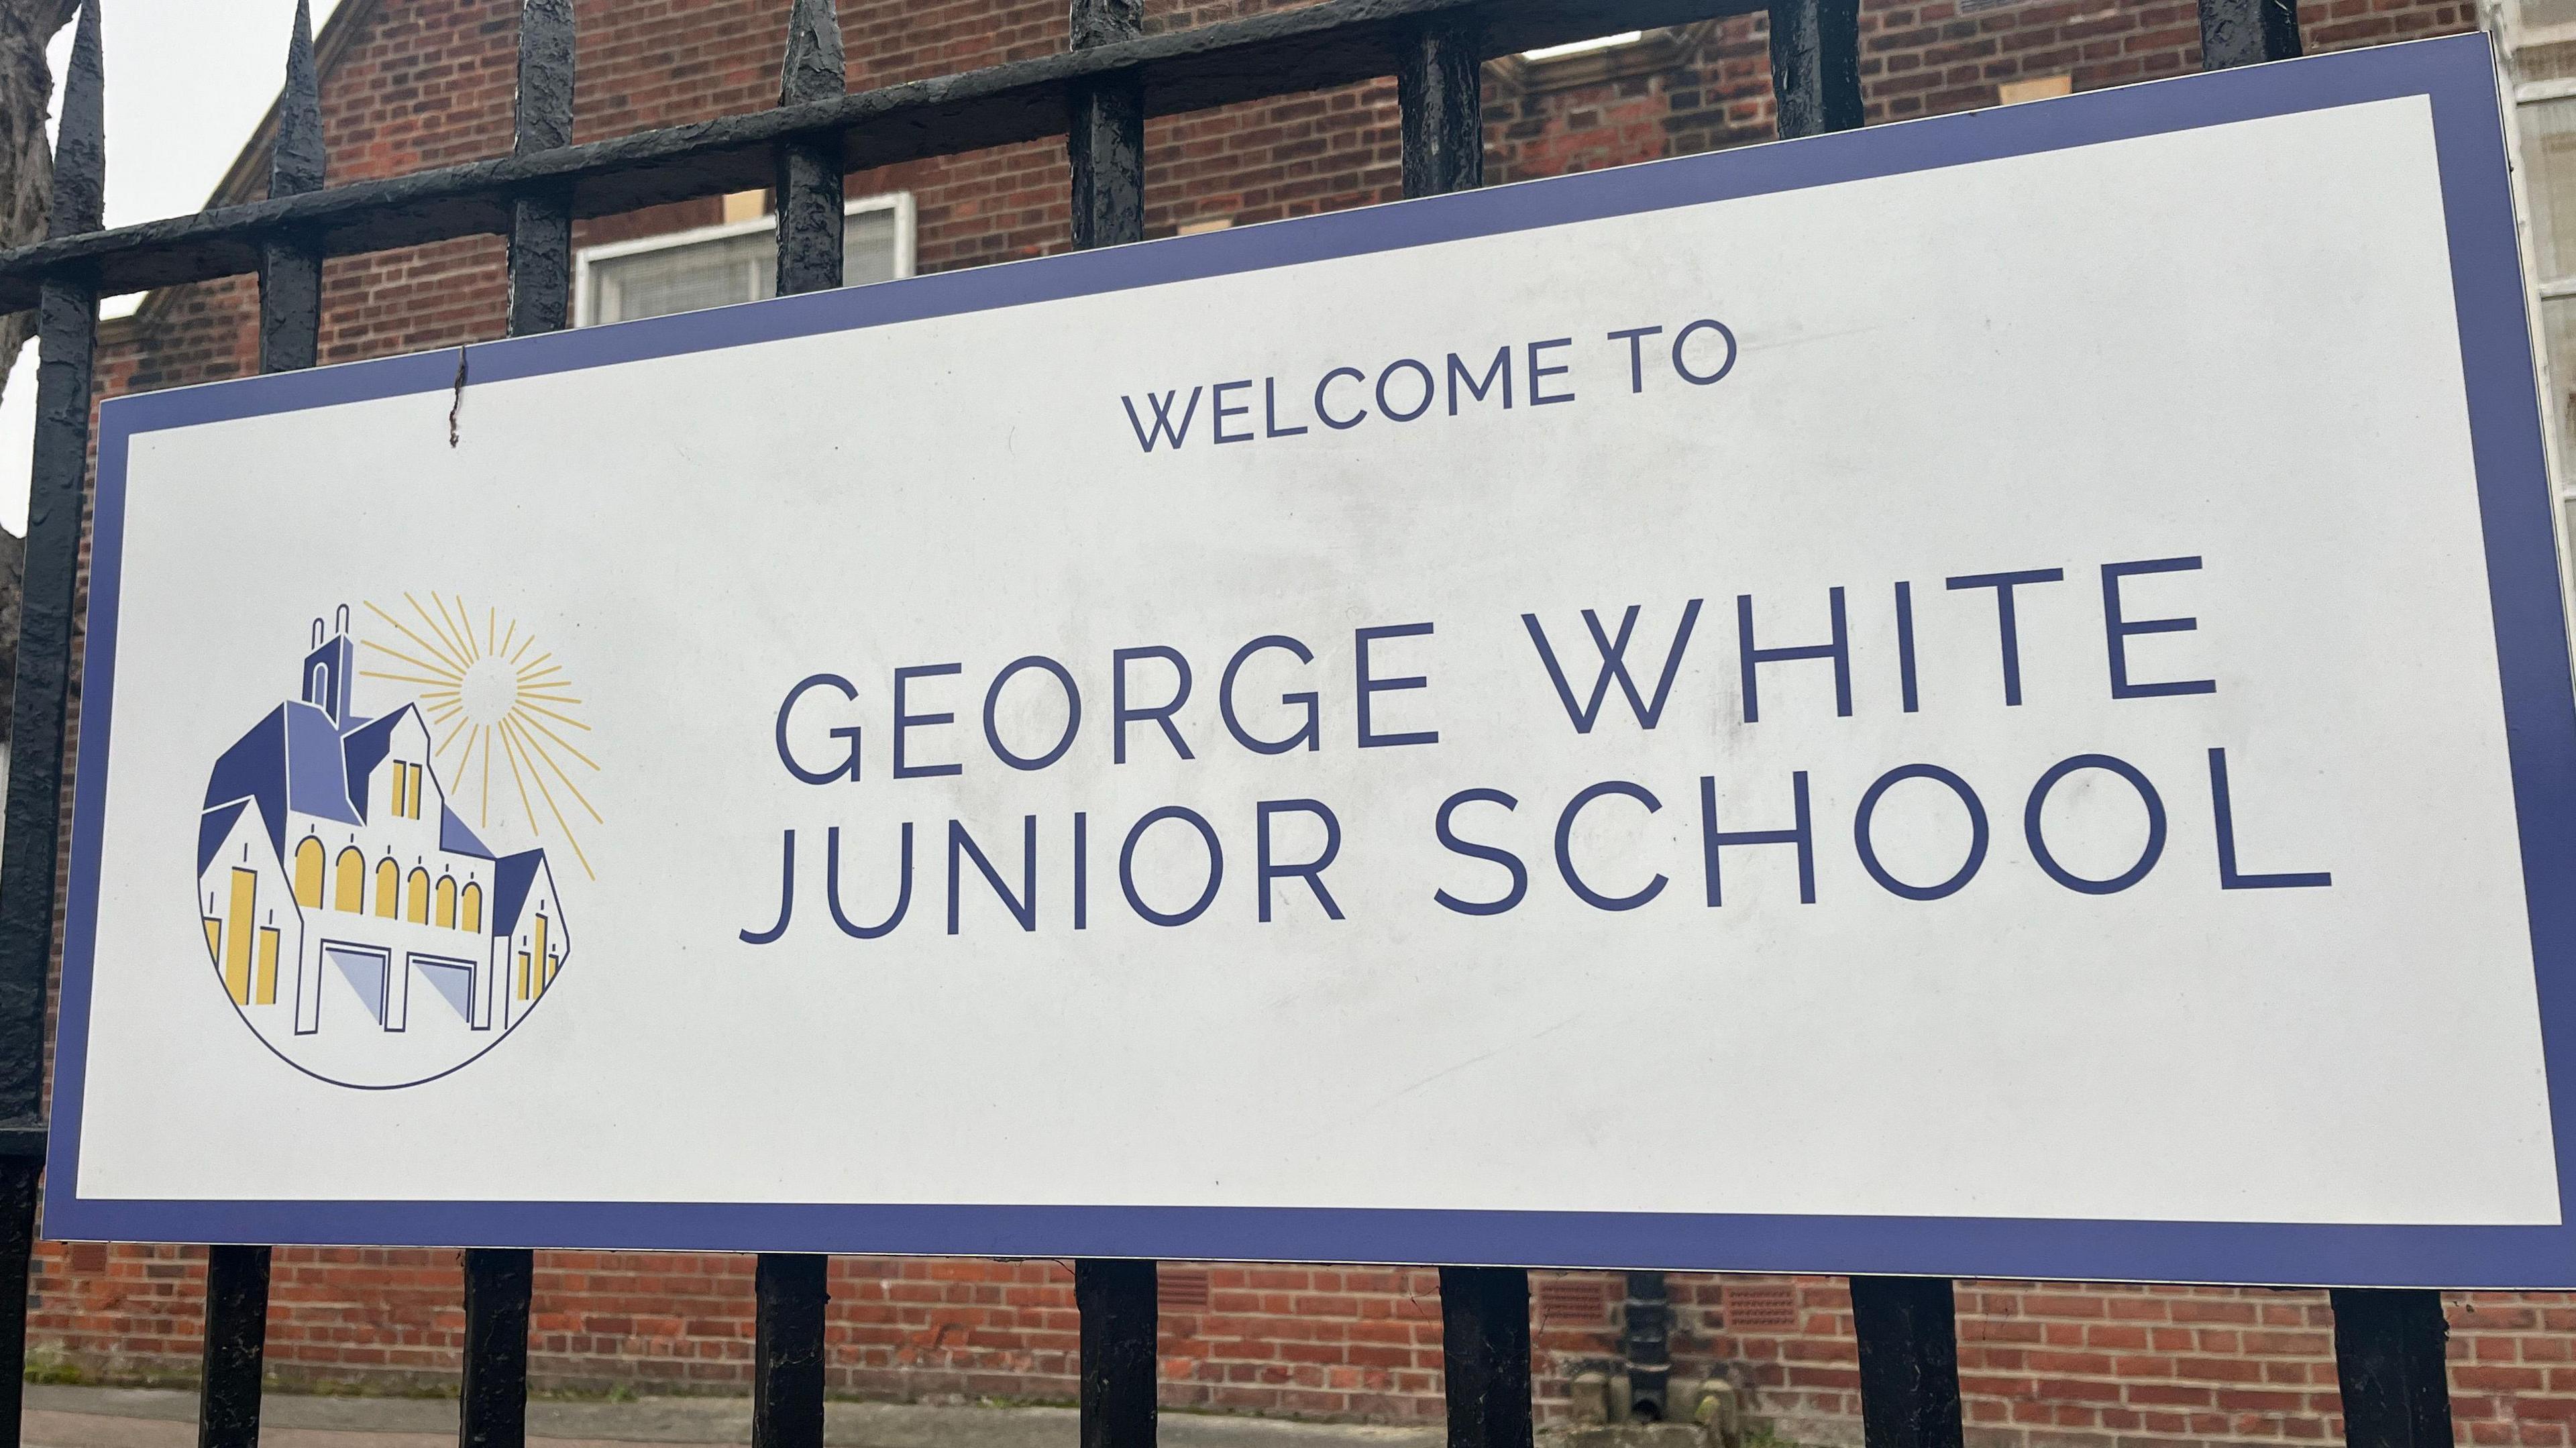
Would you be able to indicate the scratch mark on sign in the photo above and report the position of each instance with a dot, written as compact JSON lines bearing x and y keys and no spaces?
{"x":456,"y":405}
{"x":1482,"y":1056}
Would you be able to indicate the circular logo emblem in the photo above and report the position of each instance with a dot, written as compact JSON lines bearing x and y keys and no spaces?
{"x":380,"y":891}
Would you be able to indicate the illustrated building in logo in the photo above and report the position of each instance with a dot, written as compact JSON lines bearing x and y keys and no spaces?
{"x":327,"y":853}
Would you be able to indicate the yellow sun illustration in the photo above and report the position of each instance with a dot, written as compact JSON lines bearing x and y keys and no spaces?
{"x":490,"y":698}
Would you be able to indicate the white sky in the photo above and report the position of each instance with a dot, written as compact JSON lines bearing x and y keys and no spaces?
{"x":187,"y":81}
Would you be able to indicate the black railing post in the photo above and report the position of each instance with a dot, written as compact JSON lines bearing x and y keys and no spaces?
{"x":2242,"y":32}
{"x":2391,"y":1365}
{"x":1815,"y":66}
{"x":1105,"y":145}
{"x":1645,"y":1343}
{"x":17,"y":1252}
{"x":1909,"y":1361}
{"x":789,"y":1293}
{"x":1439,"y":86}
{"x":67,"y":327}
{"x":1106,"y":138}
{"x":810,"y":167}
{"x":236,"y":1347}
{"x":290,"y":330}
{"x":1485,"y":1356}
{"x":1484,"y":1311}
{"x":500,"y":1282}
{"x":541,"y":223}
{"x":290,"y":271}
{"x":1120,"y":1321}
{"x":492,"y":1398}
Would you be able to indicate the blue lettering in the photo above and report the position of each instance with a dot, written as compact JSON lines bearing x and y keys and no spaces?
{"x":2117,"y":630}
{"x":1537,"y":373}
{"x":1614,"y":666}
{"x":1127,"y":866}
{"x":1505,"y":858}
{"x":1217,"y":423}
{"x":1312,"y":872}
{"x":848,"y":769}
{"x":1162,"y":430}
{"x":1565,"y":851}
{"x":1369,"y":687}
{"x":904,"y":722}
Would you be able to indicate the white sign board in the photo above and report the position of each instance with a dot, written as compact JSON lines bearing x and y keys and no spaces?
{"x":1980,"y":697}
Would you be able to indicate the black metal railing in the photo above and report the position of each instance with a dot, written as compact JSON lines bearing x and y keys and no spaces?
{"x":1097,"y":94}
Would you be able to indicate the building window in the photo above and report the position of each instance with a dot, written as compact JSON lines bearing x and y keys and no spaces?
{"x":717,"y":266}
{"x":1601,"y":59}
{"x":2034,"y":88}
{"x":2536,"y":46}
{"x":1578,"y":47}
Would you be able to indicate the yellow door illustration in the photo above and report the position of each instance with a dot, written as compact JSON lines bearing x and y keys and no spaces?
{"x":266,"y":988}
{"x":237,"y":935}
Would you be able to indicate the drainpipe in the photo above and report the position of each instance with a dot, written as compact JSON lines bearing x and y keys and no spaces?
{"x":1645,"y":1345}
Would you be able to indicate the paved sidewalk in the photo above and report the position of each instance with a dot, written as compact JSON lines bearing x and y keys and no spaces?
{"x":72,"y":1417}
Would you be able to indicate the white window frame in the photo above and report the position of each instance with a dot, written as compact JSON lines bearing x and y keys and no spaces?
{"x":898,"y":202}
{"x":1584,"y":47}
{"x":2502,"y":20}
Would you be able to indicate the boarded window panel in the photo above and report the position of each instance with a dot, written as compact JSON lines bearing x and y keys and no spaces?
{"x":1181,"y":1289}
{"x":1760,"y":1307}
{"x":1571,"y":1300}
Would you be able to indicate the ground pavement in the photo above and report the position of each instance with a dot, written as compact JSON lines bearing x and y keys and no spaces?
{"x":79,"y":1417}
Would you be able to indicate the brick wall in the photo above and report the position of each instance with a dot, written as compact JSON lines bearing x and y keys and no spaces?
{"x":2041,"y":1365}
{"x":419,"y":83}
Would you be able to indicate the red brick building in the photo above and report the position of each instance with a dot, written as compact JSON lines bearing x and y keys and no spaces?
{"x":412,"y":84}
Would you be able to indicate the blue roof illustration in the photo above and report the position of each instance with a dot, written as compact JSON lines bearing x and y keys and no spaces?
{"x":295,"y":757}
{"x":213,"y":826}
{"x":511,"y":877}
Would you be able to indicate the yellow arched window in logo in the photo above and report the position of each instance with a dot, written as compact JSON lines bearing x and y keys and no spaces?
{"x":349,"y":882}
{"x":308,"y":873}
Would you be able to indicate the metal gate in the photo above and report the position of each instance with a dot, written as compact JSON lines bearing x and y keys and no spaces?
{"x":2389,"y":1343}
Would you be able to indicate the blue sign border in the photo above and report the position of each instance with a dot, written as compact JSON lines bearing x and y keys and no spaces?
{"x":2456,"y":74}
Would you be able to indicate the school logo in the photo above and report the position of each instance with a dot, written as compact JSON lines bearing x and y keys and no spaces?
{"x":378,"y":897}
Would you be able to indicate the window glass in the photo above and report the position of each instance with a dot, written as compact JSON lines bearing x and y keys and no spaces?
{"x":2542,"y":14}
{"x":722,"y":270}
{"x":683,"y":278}
{"x":2549,"y":165}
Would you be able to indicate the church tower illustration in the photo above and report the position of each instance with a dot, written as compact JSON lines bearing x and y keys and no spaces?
{"x":338,"y":891}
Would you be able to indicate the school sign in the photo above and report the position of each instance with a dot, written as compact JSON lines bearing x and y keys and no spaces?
{"x":2021,"y":653}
